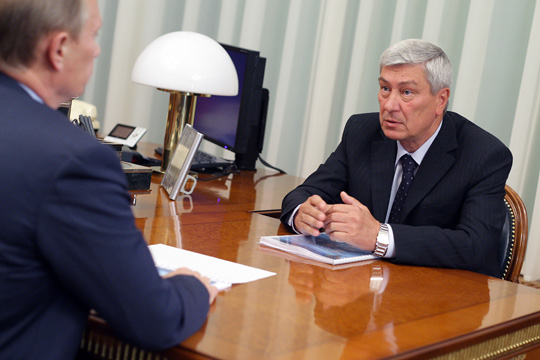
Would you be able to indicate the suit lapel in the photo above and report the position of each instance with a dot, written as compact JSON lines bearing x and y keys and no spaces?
{"x":435,"y":165}
{"x":383,"y":157}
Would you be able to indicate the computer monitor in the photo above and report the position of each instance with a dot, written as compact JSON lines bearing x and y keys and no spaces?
{"x":237,"y":123}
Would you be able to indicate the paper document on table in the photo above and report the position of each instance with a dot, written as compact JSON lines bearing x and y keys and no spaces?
{"x":222,"y":273}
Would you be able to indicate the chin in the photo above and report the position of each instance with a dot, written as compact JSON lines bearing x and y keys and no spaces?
{"x":392,"y":134}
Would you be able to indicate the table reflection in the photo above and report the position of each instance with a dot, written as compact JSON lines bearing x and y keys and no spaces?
{"x":345,"y":299}
{"x":370,"y":297}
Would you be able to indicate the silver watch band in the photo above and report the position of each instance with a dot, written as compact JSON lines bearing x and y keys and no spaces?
{"x":381,"y":246}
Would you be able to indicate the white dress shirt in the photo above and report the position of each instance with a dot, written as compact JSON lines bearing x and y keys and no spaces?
{"x":418,"y":156}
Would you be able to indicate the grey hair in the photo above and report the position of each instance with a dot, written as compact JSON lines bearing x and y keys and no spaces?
{"x":23,"y":23}
{"x":437,"y":66}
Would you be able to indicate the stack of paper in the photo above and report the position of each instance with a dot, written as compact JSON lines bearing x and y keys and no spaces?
{"x":222,"y":273}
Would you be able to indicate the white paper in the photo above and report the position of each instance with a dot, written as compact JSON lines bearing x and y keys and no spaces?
{"x":222,"y":273}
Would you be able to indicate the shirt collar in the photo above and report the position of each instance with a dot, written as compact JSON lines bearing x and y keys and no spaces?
{"x":32,"y":93}
{"x":419,"y":154}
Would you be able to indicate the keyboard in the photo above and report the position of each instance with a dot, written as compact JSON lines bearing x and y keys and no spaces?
{"x":202,"y":157}
{"x":204,"y":161}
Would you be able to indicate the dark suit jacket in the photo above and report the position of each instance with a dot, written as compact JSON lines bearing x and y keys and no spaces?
{"x":68,"y":243}
{"x":453,"y":214}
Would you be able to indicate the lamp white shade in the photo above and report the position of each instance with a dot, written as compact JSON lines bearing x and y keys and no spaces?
{"x":188,"y":62}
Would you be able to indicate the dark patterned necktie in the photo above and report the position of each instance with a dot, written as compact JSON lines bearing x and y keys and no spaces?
{"x":408,"y":164}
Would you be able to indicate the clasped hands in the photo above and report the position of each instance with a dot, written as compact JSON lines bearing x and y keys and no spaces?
{"x":350,"y":222}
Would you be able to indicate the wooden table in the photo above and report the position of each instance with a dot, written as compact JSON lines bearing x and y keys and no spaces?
{"x":371,"y":310}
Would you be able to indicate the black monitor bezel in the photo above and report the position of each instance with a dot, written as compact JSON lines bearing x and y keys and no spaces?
{"x":250,"y":103}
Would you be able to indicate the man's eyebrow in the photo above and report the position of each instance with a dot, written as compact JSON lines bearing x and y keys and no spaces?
{"x":408,"y":82}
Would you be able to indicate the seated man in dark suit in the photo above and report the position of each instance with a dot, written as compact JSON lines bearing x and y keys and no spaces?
{"x":68,"y":241}
{"x":447,"y":211}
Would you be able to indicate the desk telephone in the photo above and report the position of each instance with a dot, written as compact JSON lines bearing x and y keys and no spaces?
{"x":125,"y":135}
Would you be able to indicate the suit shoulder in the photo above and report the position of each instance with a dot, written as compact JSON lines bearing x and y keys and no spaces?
{"x":363,"y":124}
{"x":364,"y":120}
{"x":40,"y":137}
{"x":470,"y":133}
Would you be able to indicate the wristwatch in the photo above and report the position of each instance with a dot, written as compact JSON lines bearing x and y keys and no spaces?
{"x":382,"y":241}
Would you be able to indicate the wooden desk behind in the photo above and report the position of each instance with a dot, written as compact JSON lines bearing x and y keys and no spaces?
{"x":371,"y":310}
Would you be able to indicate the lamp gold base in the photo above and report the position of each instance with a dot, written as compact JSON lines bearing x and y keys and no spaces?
{"x":181,"y":112}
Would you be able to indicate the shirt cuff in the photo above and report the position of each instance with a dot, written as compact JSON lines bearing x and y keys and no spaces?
{"x":291,"y":219}
{"x":391,"y":251}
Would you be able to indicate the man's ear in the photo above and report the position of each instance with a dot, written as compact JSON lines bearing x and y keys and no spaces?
{"x":442,"y":99}
{"x":57,"y":49}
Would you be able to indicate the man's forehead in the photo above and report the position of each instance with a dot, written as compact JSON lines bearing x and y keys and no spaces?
{"x":403,"y":73}
{"x":92,"y":9}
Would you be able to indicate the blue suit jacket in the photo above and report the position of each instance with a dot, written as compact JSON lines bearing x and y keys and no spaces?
{"x":453,"y":214}
{"x":68,"y":243}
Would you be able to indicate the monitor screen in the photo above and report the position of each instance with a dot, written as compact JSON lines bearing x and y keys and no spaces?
{"x":235,"y":122}
{"x":217,"y":116}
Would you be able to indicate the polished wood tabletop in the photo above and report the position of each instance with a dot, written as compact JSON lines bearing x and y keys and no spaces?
{"x":371,"y":310}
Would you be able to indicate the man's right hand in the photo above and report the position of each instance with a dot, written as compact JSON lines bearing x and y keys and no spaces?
{"x":212,"y":290}
{"x":309,"y":219}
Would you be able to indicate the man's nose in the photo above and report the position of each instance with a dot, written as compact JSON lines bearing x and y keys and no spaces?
{"x":392,"y":102}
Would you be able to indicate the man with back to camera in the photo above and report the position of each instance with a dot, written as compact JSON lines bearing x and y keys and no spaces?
{"x":448,"y":211}
{"x":68,"y":241}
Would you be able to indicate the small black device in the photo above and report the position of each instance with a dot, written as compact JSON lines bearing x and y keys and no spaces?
{"x":85,"y":122}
